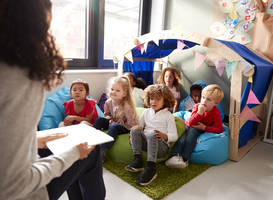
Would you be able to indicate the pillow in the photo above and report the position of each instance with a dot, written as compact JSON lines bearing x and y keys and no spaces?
{"x":53,"y":112}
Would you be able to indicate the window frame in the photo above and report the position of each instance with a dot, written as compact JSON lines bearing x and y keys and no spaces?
{"x":95,"y":35}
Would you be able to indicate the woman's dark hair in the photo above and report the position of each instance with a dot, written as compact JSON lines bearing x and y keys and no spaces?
{"x":140,"y":83}
{"x":26,"y":42}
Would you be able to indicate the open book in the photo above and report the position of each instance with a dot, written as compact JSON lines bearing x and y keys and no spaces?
{"x":76,"y":134}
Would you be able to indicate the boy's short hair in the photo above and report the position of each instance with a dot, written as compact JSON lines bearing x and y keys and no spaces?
{"x":195,"y":87}
{"x":214,"y":91}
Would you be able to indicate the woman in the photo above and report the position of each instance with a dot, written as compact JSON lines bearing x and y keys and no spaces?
{"x":30,"y":62}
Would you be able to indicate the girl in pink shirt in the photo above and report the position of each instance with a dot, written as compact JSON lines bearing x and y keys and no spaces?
{"x":119,"y":111}
{"x":79,"y":109}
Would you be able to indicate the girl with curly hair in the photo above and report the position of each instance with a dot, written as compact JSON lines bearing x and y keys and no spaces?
{"x":30,"y":62}
{"x":119,"y":111}
{"x":155,"y":131}
{"x":171,"y":77}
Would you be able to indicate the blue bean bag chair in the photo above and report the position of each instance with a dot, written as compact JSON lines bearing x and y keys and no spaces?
{"x":211,"y":148}
{"x":53,"y":112}
{"x":181,"y":106}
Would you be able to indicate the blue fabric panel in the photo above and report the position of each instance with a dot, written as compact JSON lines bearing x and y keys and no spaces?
{"x":203,"y":84}
{"x":53,"y":112}
{"x":261,"y":80}
{"x":143,"y":69}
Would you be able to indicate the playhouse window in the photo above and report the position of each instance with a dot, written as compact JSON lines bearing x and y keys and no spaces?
{"x":90,"y":32}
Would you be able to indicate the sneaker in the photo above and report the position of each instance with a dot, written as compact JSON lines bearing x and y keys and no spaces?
{"x":135,"y":166}
{"x":103,"y":153}
{"x":146,"y":177}
{"x":176,"y":162}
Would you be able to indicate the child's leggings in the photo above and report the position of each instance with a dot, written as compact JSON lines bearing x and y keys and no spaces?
{"x":148,"y":142}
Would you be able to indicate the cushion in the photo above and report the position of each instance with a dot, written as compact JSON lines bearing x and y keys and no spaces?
{"x":181,"y":106}
{"x":122,"y":151}
{"x":211,"y":148}
{"x":53,"y":112}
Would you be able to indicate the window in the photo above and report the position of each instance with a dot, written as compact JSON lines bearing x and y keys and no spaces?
{"x":90,"y":32}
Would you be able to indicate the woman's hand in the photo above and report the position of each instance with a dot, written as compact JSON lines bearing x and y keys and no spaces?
{"x":42,"y":139}
{"x":200,"y":126}
{"x":160,"y":135}
{"x":84,"y":150}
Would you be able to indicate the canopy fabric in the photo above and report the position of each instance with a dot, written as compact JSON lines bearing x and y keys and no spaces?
{"x":261,"y":77}
{"x":261,"y":81}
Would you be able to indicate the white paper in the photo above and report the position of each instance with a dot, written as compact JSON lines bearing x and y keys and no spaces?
{"x":76,"y":134}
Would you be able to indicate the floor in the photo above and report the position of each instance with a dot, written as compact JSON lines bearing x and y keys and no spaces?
{"x":251,"y":178}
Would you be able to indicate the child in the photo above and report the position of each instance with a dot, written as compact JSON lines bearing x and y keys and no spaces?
{"x":119,"y":111}
{"x":160,"y":130}
{"x":205,"y":117}
{"x":171,"y":77}
{"x":137,"y":85}
{"x":195,"y":94}
{"x":79,"y":109}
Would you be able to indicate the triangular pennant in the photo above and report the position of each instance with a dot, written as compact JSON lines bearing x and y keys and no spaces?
{"x":142,"y":48}
{"x":246,"y":66}
{"x":230,"y":67}
{"x":250,"y":79}
{"x":145,"y":45}
{"x":179,"y":27}
{"x":199,"y":58}
{"x":120,"y":60}
{"x":129,"y":56}
{"x":180,"y":46}
{"x":156,"y":38}
{"x":248,"y":114}
{"x":138,"y":47}
{"x":220,"y":66}
{"x":252,"y":99}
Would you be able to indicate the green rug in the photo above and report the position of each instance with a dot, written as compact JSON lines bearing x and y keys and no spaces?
{"x":167,"y":181}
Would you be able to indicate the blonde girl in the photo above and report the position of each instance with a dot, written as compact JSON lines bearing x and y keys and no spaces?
{"x":171,"y":77}
{"x":119,"y":111}
{"x":155,"y":131}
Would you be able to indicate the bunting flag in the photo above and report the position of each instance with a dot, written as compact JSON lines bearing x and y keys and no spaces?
{"x":179,"y":27}
{"x":220,"y":66}
{"x":129,"y":56}
{"x":250,"y":79}
{"x":246,"y":66}
{"x":230,"y":67}
{"x":199,"y":58}
{"x":180,"y":46}
{"x":138,"y":47}
{"x":120,"y":60}
{"x":145,"y":45}
{"x":156,"y":38}
{"x":252,"y":99}
{"x":248,"y":114}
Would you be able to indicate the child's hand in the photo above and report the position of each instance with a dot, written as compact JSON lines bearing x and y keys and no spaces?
{"x":201,"y":109}
{"x":200,"y":126}
{"x":84,"y":150}
{"x":111,"y":121}
{"x":160,"y":135}
{"x":69,"y":120}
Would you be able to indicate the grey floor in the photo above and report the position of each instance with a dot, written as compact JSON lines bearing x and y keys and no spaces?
{"x":251,"y":178}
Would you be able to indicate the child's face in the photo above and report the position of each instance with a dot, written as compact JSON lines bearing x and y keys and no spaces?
{"x":169,"y":78}
{"x":117,"y":92}
{"x":132,"y":82}
{"x":208,"y":101}
{"x":157,"y":103}
{"x":78,"y":91}
{"x":196,"y":95}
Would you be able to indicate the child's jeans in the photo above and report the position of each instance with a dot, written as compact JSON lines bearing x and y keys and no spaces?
{"x":185,"y":145}
{"x":148,"y":142}
{"x":114,"y":130}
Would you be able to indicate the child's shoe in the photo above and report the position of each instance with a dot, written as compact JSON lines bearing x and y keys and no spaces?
{"x":176,"y":162}
{"x":148,"y":175}
{"x":103,"y":153}
{"x":136,"y":165}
